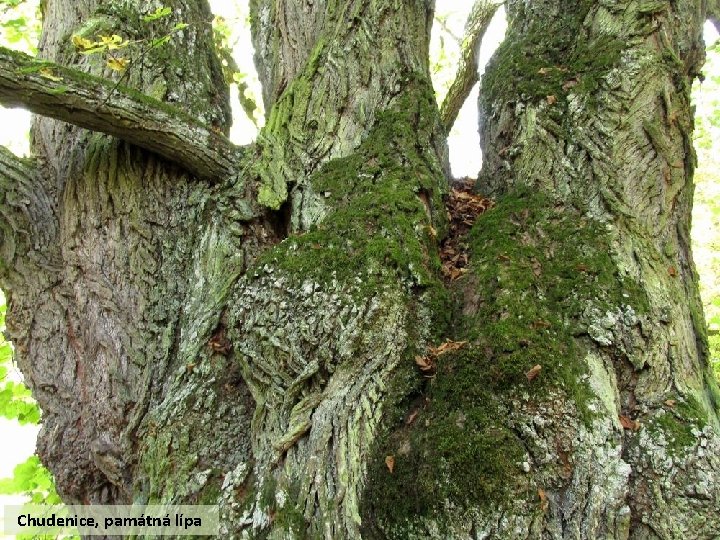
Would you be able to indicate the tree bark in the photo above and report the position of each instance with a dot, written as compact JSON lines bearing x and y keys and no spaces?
{"x":244,"y":328}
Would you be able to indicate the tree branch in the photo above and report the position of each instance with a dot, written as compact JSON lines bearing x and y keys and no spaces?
{"x":467,"y":72}
{"x":713,"y":13}
{"x":98,"y":104}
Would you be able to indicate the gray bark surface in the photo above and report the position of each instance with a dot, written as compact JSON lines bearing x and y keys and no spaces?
{"x":204,"y":324}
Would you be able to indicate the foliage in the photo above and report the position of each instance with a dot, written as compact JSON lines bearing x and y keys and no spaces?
{"x":35,"y":482}
{"x":20,"y":23}
{"x":231,"y":35}
{"x":226,"y":39}
{"x":446,"y":48}
{"x":706,"y":210}
{"x":30,"y":478}
{"x":108,"y":45}
{"x":16,"y":402}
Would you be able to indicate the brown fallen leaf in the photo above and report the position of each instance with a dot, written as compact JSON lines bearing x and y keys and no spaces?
{"x":569,"y":84}
{"x":446,"y":347}
{"x":424,"y":363}
{"x":534,"y":372}
{"x":670,"y":402}
{"x":672,"y":271}
{"x":540,"y":324}
{"x":544,"y":502}
{"x":551,"y":100}
{"x":411,"y":418}
{"x":629,"y":423}
{"x":390,"y":463}
{"x":536,"y":267}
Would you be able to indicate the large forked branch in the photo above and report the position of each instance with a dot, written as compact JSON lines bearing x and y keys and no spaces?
{"x":467,"y":72}
{"x":98,"y":104}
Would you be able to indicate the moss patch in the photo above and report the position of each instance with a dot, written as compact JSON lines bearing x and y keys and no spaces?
{"x":539,"y":270}
{"x":677,"y":425}
{"x":457,"y":453}
{"x":546,"y":271}
{"x":387,"y":212}
{"x":550,"y":57}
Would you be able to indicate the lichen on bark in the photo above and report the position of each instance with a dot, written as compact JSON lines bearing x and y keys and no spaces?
{"x":253,"y":342}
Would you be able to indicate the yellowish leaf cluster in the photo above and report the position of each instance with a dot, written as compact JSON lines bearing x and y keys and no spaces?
{"x":104,"y":44}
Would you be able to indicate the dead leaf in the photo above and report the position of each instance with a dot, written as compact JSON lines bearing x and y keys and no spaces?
{"x":672,"y":271}
{"x":670,"y":402}
{"x":534,"y":372}
{"x":48,"y":74}
{"x":463,"y":208}
{"x":543,"y":71}
{"x":551,"y":100}
{"x":629,"y":423}
{"x":536,"y":267}
{"x":447,"y":347}
{"x":540,"y":324}
{"x":117,"y":63}
{"x":412,"y":417}
{"x":544,"y":502}
{"x":569,"y":84}
{"x":390,"y":462}
{"x":424,"y":363}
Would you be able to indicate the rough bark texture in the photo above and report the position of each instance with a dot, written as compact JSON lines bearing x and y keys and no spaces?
{"x":589,"y":107}
{"x":252,"y":342}
{"x":98,"y":282}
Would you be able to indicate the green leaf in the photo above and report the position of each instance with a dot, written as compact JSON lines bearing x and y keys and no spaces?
{"x":159,"y":13}
{"x":16,"y":403}
{"x":159,"y":41}
{"x":6,"y":353}
{"x":33,"y":480}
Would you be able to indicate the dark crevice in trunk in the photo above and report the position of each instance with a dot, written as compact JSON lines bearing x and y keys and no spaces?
{"x":280,"y":220}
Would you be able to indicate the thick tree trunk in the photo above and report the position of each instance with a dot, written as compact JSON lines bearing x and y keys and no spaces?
{"x":208,"y":324}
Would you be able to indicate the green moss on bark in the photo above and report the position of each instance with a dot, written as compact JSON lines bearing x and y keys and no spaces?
{"x":540,"y":275}
{"x":452,"y":451}
{"x":550,"y":57}
{"x":387,"y":211}
{"x":549,"y":281}
{"x":679,"y":425}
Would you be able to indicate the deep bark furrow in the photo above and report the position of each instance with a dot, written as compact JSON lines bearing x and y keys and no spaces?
{"x":618,"y":112}
{"x":100,"y":105}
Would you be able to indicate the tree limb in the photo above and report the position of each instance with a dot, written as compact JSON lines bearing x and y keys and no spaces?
{"x":98,"y":104}
{"x":467,"y":72}
{"x":713,"y":13}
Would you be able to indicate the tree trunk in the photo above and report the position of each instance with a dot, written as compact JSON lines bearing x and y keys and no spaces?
{"x":203,"y":323}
